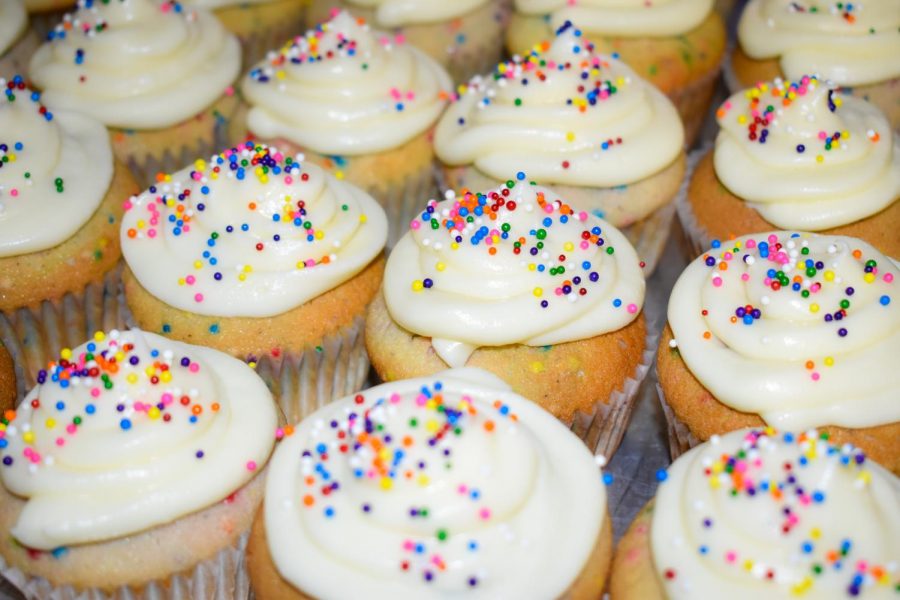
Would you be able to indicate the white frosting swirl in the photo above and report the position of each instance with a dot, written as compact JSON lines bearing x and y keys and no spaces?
{"x":251,"y":233}
{"x":755,"y":514}
{"x":853,"y":43}
{"x":55,"y":169}
{"x":514,"y":265}
{"x":802,"y":330}
{"x":131,"y":431}
{"x":805,"y":157}
{"x":345,"y":89}
{"x":567,"y":115}
{"x":137,"y":64}
{"x":12,"y":23}
{"x":433,"y":487}
{"x":631,"y":18}
{"x":396,"y":13}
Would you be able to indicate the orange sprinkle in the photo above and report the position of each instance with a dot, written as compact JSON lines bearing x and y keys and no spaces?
{"x":857,"y":253}
{"x":196,"y":409}
{"x":215,"y":407}
{"x":706,"y":335}
{"x":488,"y":425}
{"x":810,"y":364}
{"x":308,"y":500}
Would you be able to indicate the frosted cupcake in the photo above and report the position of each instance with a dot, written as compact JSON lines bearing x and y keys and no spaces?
{"x":266,"y":258}
{"x":797,"y":155}
{"x":757,"y":513}
{"x":357,"y":103}
{"x":17,"y":40}
{"x":578,"y":121}
{"x":257,"y":22}
{"x":442,"y":486}
{"x":789,"y":330}
{"x":519,"y":283}
{"x":465,"y":36}
{"x":853,"y":44}
{"x":677,"y":45}
{"x":61,"y":197}
{"x":157,"y":74}
{"x":131,"y":471}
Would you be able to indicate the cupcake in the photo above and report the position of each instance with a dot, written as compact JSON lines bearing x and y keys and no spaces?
{"x":790,"y":330}
{"x":450,"y":485}
{"x":797,"y":155}
{"x":853,"y":44}
{"x":762,"y":514}
{"x":61,"y":197}
{"x":263,"y":257}
{"x":519,"y":283}
{"x":677,"y":45}
{"x":465,"y":36}
{"x":356,"y":103}
{"x":157,"y":74}
{"x":7,"y":380}
{"x":579,"y":121}
{"x":257,"y":22}
{"x":17,"y":40}
{"x":132,"y":470}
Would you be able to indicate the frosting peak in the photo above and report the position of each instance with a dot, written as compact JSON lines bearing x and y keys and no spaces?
{"x":449,"y":485}
{"x":632,"y":18}
{"x":136,"y":64}
{"x":805,"y":156}
{"x":565,"y":114}
{"x":513,"y":265}
{"x":129,"y":431}
{"x":343,"y":88}
{"x":51,"y":164}
{"x":251,"y":233}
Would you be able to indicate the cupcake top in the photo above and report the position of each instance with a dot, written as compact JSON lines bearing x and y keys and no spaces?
{"x":803,"y":330}
{"x":249,"y":233}
{"x":565,"y":114}
{"x":55,"y":169}
{"x":806,"y":157}
{"x":396,"y":13}
{"x":513,"y":265}
{"x":136,"y":64}
{"x":762,"y":514}
{"x":850,"y":43}
{"x":13,"y":20}
{"x":212,"y":4}
{"x":130,"y":431}
{"x":344,"y":89}
{"x":628,"y":18}
{"x":449,"y":485}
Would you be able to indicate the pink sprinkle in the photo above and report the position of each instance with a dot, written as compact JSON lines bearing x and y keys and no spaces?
{"x":14,"y":192}
{"x":408,"y":545}
{"x":289,"y":180}
{"x":484,"y":513}
{"x":731,"y":556}
{"x":751,"y":244}
{"x":462,"y":489}
{"x":815,"y":376}
{"x":71,"y":428}
{"x":773,"y":239}
{"x":582,"y":216}
{"x":190,"y":280}
{"x":95,"y":392}
{"x":745,"y":277}
{"x":166,"y":398}
{"x":717,"y":281}
{"x":251,"y":465}
{"x":395,"y":398}
{"x":889,"y":277}
{"x":822,"y":135}
{"x":151,"y":233}
{"x":127,"y":205}
{"x":198,"y":297}
{"x":632,"y":308}
{"x":60,"y":442}
{"x":194,"y":367}
{"x":584,"y":245}
{"x":279,"y":433}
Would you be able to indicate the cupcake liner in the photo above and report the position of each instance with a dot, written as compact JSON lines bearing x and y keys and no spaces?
{"x":680,"y":437}
{"x":404,"y":200}
{"x":18,"y":56}
{"x":255,"y":46}
{"x":304,"y":381}
{"x":729,"y":76}
{"x":649,"y":235}
{"x":222,"y":577}
{"x":44,"y":22}
{"x":695,"y":99}
{"x":34,"y":335}
{"x":698,"y":240}
{"x":602,"y":430}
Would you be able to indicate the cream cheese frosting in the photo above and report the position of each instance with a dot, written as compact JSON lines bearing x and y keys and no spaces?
{"x":803,"y":330}
{"x":249,"y":233}
{"x":51,"y":164}
{"x":805,"y":157}
{"x":130,"y":431}
{"x":629,"y":18}
{"x":443,"y":486}
{"x":513,"y":265}
{"x":396,"y":13}
{"x":565,"y":115}
{"x":13,"y":19}
{"x":213,"y":4}
{"x":345,"y":89}
{"x":761,"y":514}
{"x":850,"y":43}
{"x":136,"y":64}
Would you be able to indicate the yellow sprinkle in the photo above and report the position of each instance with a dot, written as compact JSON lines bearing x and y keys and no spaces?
{"x":149,"y":371}
{"x":570,"y":136}
{"x":819,"y":158}
{"x":120,"y":356}
{"x":538,"y":292}
{"x":430,"y":405}
{"x":386,"y":483}
{"x":814,"y":308}
{"x":742,"y":119}
{"x":66,"y":353}
{"x":153,"y":413}
{"x":12,"y":157}
{"x":440,"y":266}
{"x":181,"y":281}
{"x":320,"y":235}
{"x":748,"y":564}
{"x":384,"y":454}
{"x":532,"y":267}
{"x":166,"y":376}
{"x":802,"y":587}
{"x":50,"y":423}
{"x":99,"y":336}
{"x":829,"y":275}
{"x":251,"y":364}
{"x":714,"y":483}
{"x":845,"y":135}
{"x":242,"y":277}
{"x":537,"y":367}
{"x":247,"y":268}
{"x":199,"y":165}
{"x":301,"y":264}
{"x":280,"y":74}
{"x":132,"y":378}
{"x":363,"y":219}
{"x":816,"y":533}
{"x":422,"y":479}
{"x":417,"y":285}
{"x":339,"y":175}
{"x":431,"y":426}
{"x":454,"y":246}
{"x":865,"y":476}
{"x":198,"y":264}
{"x":869,"y":277}
{"x":829,"y":361}
{"x":569,"y":246}
{"x":28,"y":437}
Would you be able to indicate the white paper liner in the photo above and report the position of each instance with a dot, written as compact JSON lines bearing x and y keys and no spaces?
{"x":145,"y":168}
{"x":729,"y":76}
{"x":703,"y":89}
{"x":18,"y":56}
{"x":223,"y":577}
{"x":255,"y":47}
{"x":403,"y":202}
{"x":603,"y":429}
{"x":650,"y":234}
{"x":303,"y":382}
{"x":34,"y":336}
{"x":698,"y":240}
{"x":680,"y":437}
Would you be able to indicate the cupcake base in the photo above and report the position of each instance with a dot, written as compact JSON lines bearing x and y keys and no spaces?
{"x":691,"y":409}
{"x":634,"y":576}
{"x":590,"y":385}
{"x":7,"y":381}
